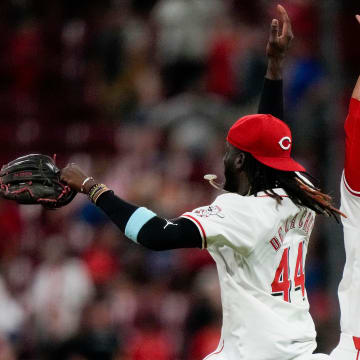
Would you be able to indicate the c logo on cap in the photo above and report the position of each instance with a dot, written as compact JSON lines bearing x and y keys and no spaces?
{"x":285,"y":143}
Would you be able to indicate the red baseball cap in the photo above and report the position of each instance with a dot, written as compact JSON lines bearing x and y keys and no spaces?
{"x":267,"y":139}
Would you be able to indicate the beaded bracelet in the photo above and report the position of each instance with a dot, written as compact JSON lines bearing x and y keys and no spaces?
{"x":97,"y":190}
{"x":94,"y":190}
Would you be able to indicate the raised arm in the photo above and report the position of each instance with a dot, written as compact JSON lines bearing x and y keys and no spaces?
{"x":271,"y":101}
{"x":352,"y":143}
{"x":356,"y":91}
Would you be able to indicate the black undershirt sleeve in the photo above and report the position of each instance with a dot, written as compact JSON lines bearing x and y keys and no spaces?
{"x":271,"y":100}
{"x":118,"y":210}
{"x":159,"y":233}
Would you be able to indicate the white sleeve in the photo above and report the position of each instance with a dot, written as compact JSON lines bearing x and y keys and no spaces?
{"x":229,"y":220}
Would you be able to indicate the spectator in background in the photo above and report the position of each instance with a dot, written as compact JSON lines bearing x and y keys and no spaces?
{"x":97,"y":339}
{"x":184,"y":27}
{"x":192,"y":117}
{"x":101,"y":258}
{"x":12,"y":315}
{"x":203,"y":325}
{"x":25,"y":55}
{"x":150,"y":341}
{"x":11,"y":226}
{"x":61,"y":289}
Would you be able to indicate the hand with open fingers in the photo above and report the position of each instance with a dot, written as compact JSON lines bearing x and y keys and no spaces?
{"x":75,"y":177}
{"x":279,"y":41}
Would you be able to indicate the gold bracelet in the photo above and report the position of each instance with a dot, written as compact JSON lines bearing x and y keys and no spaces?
{"x":104,"y":190}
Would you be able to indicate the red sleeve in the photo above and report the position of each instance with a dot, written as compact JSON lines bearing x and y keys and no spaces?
{"x":352,"y":147}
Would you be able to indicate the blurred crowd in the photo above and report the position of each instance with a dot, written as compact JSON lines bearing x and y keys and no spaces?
{"x":140,"y":94}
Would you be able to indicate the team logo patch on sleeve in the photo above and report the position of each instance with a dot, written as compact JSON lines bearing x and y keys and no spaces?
{"x":212,"y":210}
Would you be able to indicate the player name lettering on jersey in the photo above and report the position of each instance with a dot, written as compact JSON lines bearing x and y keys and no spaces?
{"x":301,"y":221}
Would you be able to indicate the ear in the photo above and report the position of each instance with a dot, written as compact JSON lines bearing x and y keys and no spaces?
{"x":239,"y":161}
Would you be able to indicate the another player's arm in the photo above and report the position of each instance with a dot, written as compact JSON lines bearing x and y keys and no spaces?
{"x":356,"y":91}
{"x":352,"y":143}
{"x":271,"y":101}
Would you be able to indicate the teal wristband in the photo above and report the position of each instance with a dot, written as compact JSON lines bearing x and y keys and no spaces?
{"x":137,"y":220}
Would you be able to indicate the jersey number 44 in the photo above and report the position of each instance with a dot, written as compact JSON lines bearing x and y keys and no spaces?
{"x":282,"y":284}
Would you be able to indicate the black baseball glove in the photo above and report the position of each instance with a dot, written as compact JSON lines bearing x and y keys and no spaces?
{"x":34,"y":179}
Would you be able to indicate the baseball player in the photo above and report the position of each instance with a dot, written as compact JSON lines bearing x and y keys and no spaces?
{"x":257,"y":230}
{"x":349,"y":289}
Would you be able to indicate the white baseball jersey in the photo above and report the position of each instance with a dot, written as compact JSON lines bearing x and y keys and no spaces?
{"x":259,"y":248}
{"x":349,"y":288}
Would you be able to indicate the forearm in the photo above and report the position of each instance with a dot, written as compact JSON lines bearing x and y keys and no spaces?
{"x":118,"y":210}
{"x":271,"y":101}
{"x":274,"y":69}
{"x":145,"y":228}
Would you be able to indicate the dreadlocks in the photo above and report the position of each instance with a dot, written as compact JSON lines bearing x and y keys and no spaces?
{"x":299,"y":190}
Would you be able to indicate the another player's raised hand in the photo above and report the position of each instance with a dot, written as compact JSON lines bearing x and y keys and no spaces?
{"x":358,"y":18}
{"x":279,"y":41}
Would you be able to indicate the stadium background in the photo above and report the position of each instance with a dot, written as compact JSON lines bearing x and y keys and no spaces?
{"x":140,"y":93}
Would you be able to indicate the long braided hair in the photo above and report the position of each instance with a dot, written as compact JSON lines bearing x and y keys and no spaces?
{"x":299,"y":190}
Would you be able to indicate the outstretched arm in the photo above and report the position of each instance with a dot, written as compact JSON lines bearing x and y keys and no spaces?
{"x":271,"y":101}
{"x":137,"y":223}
